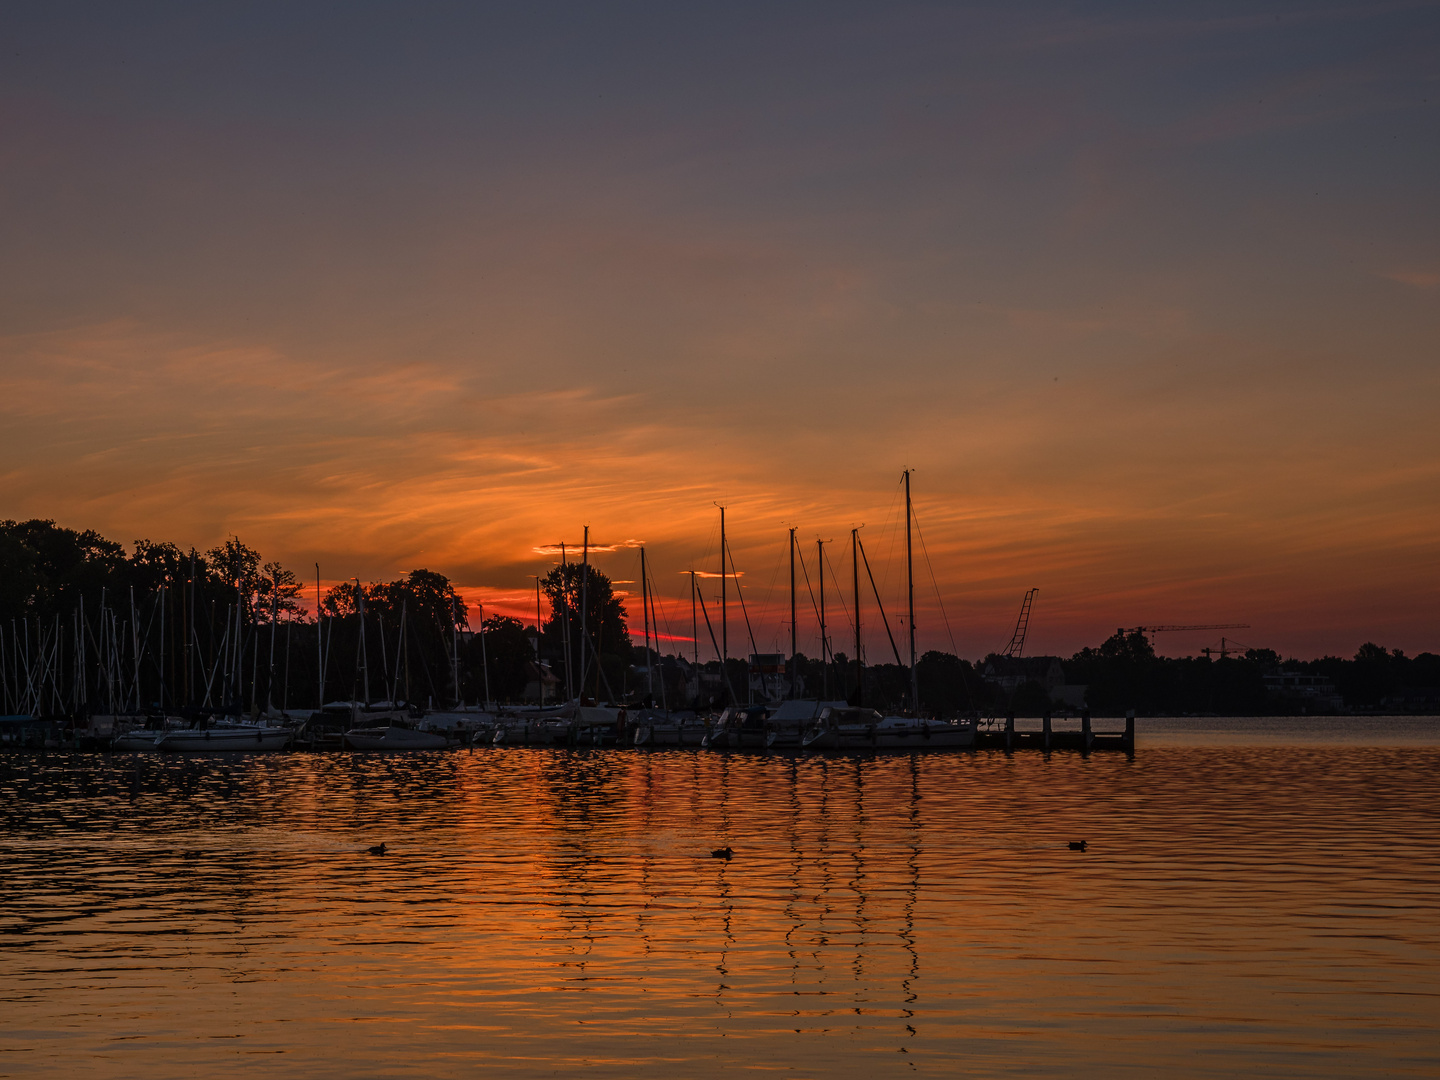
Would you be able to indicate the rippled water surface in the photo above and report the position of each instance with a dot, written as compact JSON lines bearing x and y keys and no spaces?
{"x":1242,"y":908}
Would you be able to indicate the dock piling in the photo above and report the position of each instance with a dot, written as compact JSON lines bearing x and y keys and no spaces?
{"x":1009,"y":731}
{"x":1130,"y":730}
{"x":1087,"y":737}
{"x":1045,"y":738}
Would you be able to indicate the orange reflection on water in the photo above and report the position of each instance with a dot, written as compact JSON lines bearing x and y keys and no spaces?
{"x":1238,"y":910}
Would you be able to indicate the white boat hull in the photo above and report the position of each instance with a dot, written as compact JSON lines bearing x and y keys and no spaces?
{"x":534,"y":733}
{"x":670,"y":734}
{"x":394,"y":738}
{"x":139,"y":741}
{"x":735,"y":739}
{"x":240,"y":739}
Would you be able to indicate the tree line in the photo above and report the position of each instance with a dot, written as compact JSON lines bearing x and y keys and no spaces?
{"x":89,"y":626}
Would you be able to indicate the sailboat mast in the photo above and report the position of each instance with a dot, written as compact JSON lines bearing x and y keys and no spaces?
{"x":855,"y":587}
{"x":794,"y":637}
{"x":134,"y":645}
{"x":724,"y":608}
{"x":645,"y":608}
{"x":664,"y":697}
{"x":585,"y":602}
{"x":364,"y":651}
{"x":189,"y":609}
{"x":484,"y":659}
{"x":824,"y":642}
{"x":319,"y":643}
{"x":910,"y":587}
{"x":455,"y":649}
{"x":401,"y":655}
{"x":584,"y":605}
{"x":274,"y":625}
{"x":539,"y":671}
{"x":565,"y":623}
{"x":161,"y":650}
{"x":285,"y":691}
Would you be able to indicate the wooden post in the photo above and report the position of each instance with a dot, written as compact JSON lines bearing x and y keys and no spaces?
{"x":1087,"y":738}
{"x":1046,"y":737}
{"x":1009,"y":731}
{"x":1130,"y":729}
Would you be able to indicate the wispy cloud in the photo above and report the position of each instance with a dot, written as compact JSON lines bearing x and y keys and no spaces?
{"x":1419,"y":279}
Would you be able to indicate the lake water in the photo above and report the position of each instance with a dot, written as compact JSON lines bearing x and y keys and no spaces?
{"x":1257,"y":898}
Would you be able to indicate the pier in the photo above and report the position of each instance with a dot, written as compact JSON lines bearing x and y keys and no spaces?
{"x":1047,"y":738}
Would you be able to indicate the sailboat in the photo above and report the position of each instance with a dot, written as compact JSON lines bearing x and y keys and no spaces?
{"x":785,"y":727}
{"x":226,"y":736}
{"x":859,"y":729}
{"x":786,"y":723}
{"x":866,"y":729}
{"x":393,"y":737}
{"x":741,"y":727}
{"x":142,"y":738}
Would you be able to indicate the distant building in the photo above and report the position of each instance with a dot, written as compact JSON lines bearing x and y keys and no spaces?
{"x":1316,"y":692}
{"x":769,"y":679}
{"x":541,"y":678}
{"x":1424,"y":700}
{"x":1011,"y":672}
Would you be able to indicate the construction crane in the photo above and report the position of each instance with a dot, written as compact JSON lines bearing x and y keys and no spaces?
{"x":1022,"y":627}
{"x":1123,"y":631}
{"x":1227,"y":646}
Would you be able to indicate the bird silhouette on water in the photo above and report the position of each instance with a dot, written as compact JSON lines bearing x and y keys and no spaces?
{"x":722,"y":853}
{"x":378,"y":849}
{"x":1077,"y":845}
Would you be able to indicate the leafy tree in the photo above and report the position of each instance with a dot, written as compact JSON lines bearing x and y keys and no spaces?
{"x":278,"y":593}
{"x":155,"y":565}
{"x":417,"y":665}
{"x":238,"y":567}
{"x":949,"y":686}
{"x":507,"y":654}
{"x":605,"y":625}
{"x":1134,"y":648}
{"x":1374,"y":673}
{"x":20,"y":573}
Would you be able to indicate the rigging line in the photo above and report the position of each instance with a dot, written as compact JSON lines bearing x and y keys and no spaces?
{"x":725,"y":674}
{"x":659,"y":609}
{"x":933,"y":583}
{"x":840,"y":595}
{"x":424,"y":660}
{"x":814,"y":604}
{"x":883,"y":618}
{"x":711,"y":539}
{"x":740,"y":593}
{"x":892,"y":528}
{"x":954,"y":650}
{"x":599,"y":667}
{"x":770,"y":592}
{"x":145,"y":639}
{"x":656,"y":609}
{"x":215,"y":666}
{"x":659,"y":660}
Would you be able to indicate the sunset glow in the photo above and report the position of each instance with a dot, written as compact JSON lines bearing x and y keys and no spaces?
{"x":1169,"y":356}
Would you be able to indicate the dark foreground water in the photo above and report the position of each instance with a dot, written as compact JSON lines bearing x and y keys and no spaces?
{"x":1251,"y":903}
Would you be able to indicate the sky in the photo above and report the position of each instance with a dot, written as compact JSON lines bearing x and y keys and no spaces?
{"x":1146,"y":296}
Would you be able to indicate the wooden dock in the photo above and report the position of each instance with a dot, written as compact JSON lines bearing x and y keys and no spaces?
{"x":1047,"y":738}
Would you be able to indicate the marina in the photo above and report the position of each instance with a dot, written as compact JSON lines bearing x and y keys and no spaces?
{"x":662,"y":541}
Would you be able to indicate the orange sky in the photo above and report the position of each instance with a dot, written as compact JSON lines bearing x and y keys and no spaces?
{"x":1152,"y":312}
